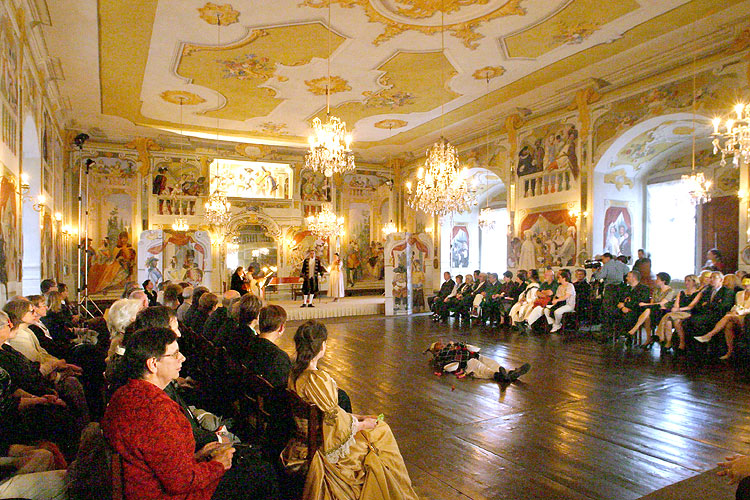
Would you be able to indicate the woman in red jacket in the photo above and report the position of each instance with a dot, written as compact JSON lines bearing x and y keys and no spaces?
{"x":150,"y":431}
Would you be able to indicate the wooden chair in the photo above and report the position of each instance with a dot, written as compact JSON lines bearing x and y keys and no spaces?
{"x":254,"y":402}
{"x":313,"y":416}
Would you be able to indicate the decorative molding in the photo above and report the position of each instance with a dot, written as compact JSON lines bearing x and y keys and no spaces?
{"x":223,"y":15}
{"x":318,"y":86}
{"x":143,"y":145}
{"x":181,"y":97}
{"x":391,"y":123}
{"x":619,"y":179}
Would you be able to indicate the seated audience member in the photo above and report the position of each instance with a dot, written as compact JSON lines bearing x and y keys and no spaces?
{"x":731,"y":282}
{"x":704,"y":279}
{"x":521,"y":309}
{"x":207,"y":303}
{"x":33,"y":412}
{"x":644,"y":267}
{"x":583,"y":290}
{"x":492,"y":295}
{"x":187,"y":303}
{"x":57,"y":344}
{"x":477,"y":294}
{"x":611,"y":274}
{"x":151,"y":433}
{"x":58,"y":319}
{"x":445,"y":289}
{"x":262,"y":356}
{"x":220,"y":316}
{"x":714,"y":261}
{"x":511,"y":290}
{"x":683,"y":305}
{"x":48,"y":285}
{"x":630,"y":308}
{"x":359,"y":457}
{"x":139,"y":295}
{"x":119,"y":316}
{"x":67,"y":309}
{"x":148,"y":289}
{"x":192,"y":311}
{"x":547,"y":289}
{"x":641,"y":256}
{"x":172,"y":294}
{"x":235,"y":339}
{"x":732,"y":321}
{"x":662,"y":296}
{"x":440,"y":305}
{"x":453,"y":304}
{"x":563,"y":302}
{"x":715,"y":302}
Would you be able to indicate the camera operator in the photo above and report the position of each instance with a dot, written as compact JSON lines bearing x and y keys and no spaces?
{"x":612,"y":275}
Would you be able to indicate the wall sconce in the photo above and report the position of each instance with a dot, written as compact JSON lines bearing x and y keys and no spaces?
{"x":25,"y":184}
{"x":58,"y":217}
{"x":39,"y":205}
{"x":575,"y":215}
{"x":742,"y":195}
{"x":428,"y":230}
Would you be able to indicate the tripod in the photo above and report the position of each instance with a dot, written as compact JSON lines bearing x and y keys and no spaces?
{"x":84,"y":302}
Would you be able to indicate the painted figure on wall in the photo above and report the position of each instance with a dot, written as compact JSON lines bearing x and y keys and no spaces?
{"x":10,"y":254}
{"x":114,"y":266}
{"x":549,"y":239}
{"x":314,"y":186}
{"x":617,"y":231}
{"x":459,"y":247}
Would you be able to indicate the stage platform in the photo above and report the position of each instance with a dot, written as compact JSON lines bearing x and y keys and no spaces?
{"x":326,"y":308}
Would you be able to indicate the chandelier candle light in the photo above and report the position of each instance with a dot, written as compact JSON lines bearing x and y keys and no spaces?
{"x":218,"y":209}
{"x":325,"y":224}
{"x":736,"y":136}
{"x":389,"y":228}
{"x":180,"y":225}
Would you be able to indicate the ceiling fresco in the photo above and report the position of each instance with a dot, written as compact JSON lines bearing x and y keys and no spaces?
{"x":256,"y":71}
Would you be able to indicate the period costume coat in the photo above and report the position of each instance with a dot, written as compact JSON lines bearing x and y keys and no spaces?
{"x":310,"y":283}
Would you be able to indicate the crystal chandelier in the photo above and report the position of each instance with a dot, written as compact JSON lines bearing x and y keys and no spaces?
{"x":325,"y":224}
{"x":698,"y":187}
{"x":389,"y":228}
{"x":329,"y":144}
{"x":329,"y":147}
{"x":442,"y":188}
{"x":486,"y":219}
{"x":180,"y":225}
{"x":736,"y":136}
{"x":217,"y":209}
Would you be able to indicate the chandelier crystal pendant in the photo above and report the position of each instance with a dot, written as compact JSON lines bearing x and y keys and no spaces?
{"x":699,"y":188}
{"x":329,"y":147}
{"x":218,"y":209}
{"x":442,"y":188}
{"x":325,"y":224}
{"x":736,"y":136}
{"x":389,"y":228}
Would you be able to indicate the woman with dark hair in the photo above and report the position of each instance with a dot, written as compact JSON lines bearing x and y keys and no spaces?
{"x":714,"y":261}
{"x":662,"y":299}
{"x":733,"y":321}
{"x":350,"y":441}
{"x":148,"y":289}
{"x":238,"y":281}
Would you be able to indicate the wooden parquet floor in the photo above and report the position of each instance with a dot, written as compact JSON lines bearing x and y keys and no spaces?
{"x":589,"y":421}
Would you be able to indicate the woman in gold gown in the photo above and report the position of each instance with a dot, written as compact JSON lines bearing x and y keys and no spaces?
{"x":359,"y":459}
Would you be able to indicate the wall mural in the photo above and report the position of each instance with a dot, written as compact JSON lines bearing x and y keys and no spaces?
{"x":187,"y":257}
{"x":618,"y":229}
{"x":549,"y":160}
{"x":151,"y":257}
{"x":48,"y":249}
{"x":314,"y":186}
{"x":398,"y":259}
{"x":178,"y":177}
{"x":544,"y":239}
{"x":303,"y":242}
{"x":245,"y":179}
{"x":459,"y":247}
{"x":714,"y":92}
{"x":114,"y":262}
{"x":10,"y":241}
{"x":363,"y":258}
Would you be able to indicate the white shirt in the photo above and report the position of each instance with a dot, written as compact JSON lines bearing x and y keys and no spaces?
{"x":311,"y":267}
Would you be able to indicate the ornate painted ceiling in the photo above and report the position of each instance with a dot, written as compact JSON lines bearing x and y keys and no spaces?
{"x":256,"y":71}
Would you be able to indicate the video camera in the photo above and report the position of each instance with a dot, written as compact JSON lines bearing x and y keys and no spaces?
{"x":592,"y":264}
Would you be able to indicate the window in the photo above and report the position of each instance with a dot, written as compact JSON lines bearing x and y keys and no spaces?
{"x":670,"y":230}
{"x":494,"y":248}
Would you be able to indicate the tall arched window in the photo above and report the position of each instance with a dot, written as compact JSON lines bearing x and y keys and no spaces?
{"x":671,"y":228}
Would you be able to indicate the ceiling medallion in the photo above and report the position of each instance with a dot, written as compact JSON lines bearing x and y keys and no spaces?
{"x":318,"y":85}
{"x":391,"y":124}
{"x":181,"y":97}
{"x":488,"y":72}
{"x":736,"y":136}
{"x":223,"y":15}
{"x":464,"y":30}
{"x":325,"y":224}
{"x":442,"y":188}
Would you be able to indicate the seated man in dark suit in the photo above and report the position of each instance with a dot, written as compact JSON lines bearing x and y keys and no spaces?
{"x":716,"y":301}
{"x":445,"y":289}
{"x":629,"y":308}
{"x":463,"y":292}
{"x":583,"y":294}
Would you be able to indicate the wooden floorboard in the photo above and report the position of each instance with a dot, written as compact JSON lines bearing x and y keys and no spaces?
{"x":590,"y":421}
